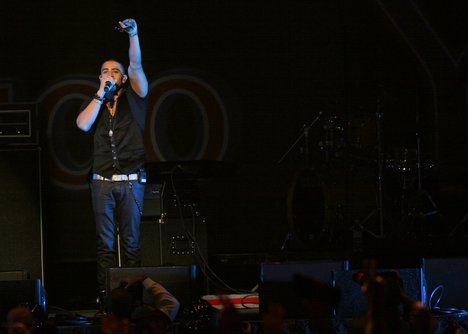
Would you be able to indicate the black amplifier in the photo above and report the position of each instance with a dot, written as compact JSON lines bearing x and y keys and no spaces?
{"x":18,"y":124}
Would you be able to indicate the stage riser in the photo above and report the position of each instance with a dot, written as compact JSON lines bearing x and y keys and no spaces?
{"x":449,"y":275}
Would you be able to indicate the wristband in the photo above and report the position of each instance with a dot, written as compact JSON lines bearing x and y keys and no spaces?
{"x":97,"y":97}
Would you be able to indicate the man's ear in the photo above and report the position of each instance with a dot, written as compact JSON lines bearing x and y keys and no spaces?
{"x":124,"y":78}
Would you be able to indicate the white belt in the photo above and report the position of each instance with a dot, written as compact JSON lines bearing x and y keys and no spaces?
{"x":116,"y":177}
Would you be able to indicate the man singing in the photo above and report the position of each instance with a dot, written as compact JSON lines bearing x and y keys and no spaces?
{"x":117,"y":113}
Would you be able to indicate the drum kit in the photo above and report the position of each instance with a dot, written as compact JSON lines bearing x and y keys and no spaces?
{"x":353,"y":185}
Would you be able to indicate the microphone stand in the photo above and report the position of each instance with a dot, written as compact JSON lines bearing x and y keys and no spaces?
{"x":304,"y":134}
{"x":417,"y":211}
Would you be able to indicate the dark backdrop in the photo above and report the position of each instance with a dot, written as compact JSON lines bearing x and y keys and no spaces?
{"x":274,"y":68}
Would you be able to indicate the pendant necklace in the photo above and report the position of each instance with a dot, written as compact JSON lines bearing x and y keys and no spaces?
{"x":111,"y":133}
{"x":111,"y":123}
{"x":112,"y":109}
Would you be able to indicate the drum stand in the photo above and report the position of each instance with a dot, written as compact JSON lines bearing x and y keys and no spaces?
{"x":416,"y":211}
{"x":379,"y":209}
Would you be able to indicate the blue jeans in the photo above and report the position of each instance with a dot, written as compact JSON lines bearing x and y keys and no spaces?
{"x":117,"y":207}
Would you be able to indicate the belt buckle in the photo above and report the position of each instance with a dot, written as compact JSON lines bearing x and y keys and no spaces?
{"x":121,"y":177}
{"x":118,"y":177}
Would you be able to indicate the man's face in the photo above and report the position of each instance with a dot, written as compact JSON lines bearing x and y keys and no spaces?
{"x":113,"y":71}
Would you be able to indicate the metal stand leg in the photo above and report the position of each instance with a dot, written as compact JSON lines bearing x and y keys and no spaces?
{"x":161,"y":222}
{"x":379,"y":210}
{"x":119,"y":254}
{"x":417,"y":210}
{"x":459,"y":224}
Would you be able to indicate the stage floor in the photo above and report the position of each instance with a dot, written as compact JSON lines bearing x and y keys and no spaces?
{"x":441,"y":324}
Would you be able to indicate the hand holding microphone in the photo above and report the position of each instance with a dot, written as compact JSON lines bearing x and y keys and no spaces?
{"x":108,"y":84}
{"x":129,"y":26}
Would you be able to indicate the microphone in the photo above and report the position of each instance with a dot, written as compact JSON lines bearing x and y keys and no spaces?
{"x":109,"y":86}
{"x":120,"y":29}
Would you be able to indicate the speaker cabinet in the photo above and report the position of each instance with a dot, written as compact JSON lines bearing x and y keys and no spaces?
{"x":173,"y":241}
{"x":181,"y":281}
{"x":353,"y":303}
{"x":447,"y":280}
{"x":28,"y":293}
{"x":18,"y":124}
{"x":276,"y":282}
{"x":20,"y":211}
{"x":152,"y":201}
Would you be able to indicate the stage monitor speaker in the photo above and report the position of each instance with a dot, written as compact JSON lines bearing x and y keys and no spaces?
{"x":28,"y":293}
{"x":175,"y":242}
{"x":447,"y":282}
{"x":276,"y":282}
{"x":181,"y":281}
{"x":20,"y":211}
{"x":353,"y":303}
